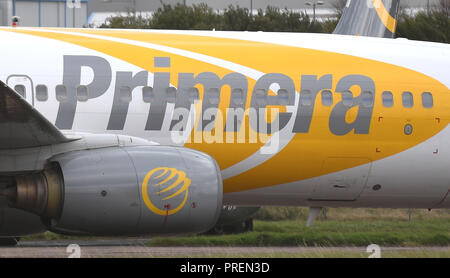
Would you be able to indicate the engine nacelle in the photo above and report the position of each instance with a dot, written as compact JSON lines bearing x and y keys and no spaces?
{"x":125,"y":191}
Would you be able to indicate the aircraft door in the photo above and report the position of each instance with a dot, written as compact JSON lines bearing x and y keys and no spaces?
{"x":23,"y":85}
{"x":345,"y":185}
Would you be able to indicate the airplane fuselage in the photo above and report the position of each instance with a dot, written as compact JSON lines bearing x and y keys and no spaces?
{"x":291,"y":119}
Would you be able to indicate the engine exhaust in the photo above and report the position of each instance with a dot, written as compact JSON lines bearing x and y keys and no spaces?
{"x":38,"y":193}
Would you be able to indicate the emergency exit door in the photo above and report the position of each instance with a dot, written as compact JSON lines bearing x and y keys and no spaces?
{"x":23,"y":85}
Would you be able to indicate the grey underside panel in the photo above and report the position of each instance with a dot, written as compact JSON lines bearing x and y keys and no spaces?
{"x":23,"y":126}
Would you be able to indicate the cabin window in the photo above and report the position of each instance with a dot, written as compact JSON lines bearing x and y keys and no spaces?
{"x":20,"y":89}
{"x":193,"y":95}
{"x":147,"y":94}
{"x":82,"y":93}
{"x":306,"y":98}
{"x":407,"y":99}
{"x":388,"y":99}
{"x":367,"y":99}
{"x":327,"y":98}
{"x":261,"y":97}
{"x":427,"y":100}
{"x":237,"y":96}
{"x":347,"y":98}
{"x":125,"y":94}
{"x":213,"y":96}
{"x":41,"y":93}
{"x":171,"y":94}
{"x":283,"y":97}
{"x":61,"y":93}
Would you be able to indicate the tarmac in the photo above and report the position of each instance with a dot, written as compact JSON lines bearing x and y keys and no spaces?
{"x":137,"y":248}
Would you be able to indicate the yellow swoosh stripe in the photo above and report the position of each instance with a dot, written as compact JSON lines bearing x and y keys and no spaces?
{"x":385,"y":17}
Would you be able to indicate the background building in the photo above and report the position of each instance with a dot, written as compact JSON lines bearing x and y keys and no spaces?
{"x":45,"y":13}
{"x":62,"y":13}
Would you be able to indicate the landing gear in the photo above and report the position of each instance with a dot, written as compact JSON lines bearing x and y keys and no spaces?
{"x":235,"y":228}
{"x":249,"y":225}
{"x":234,"y":220}
{"x":313,"y":213}
{"x":8,"y":241}
{"x":241,"y":227}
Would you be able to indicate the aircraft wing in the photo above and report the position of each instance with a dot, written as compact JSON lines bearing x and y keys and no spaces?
{"x":21,"y":125}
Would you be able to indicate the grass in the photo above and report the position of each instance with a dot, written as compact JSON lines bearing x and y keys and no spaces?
{"x":295,"y":213}
{"x":329,"y":233}
{"x":343,"y":227}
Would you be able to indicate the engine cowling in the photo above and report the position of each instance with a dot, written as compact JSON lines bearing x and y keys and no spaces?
{"x":125,"y":191}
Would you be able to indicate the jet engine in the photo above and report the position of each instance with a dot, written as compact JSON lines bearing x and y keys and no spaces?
{"x":133,"y":190}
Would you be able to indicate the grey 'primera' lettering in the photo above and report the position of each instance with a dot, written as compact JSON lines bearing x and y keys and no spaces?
{"x":187,"y":94}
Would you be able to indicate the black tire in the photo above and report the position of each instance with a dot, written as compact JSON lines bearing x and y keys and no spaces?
{"x":216,"y":230}
{"x":249,"y":225}
{"x":9,"y":241}
{"x":240,"y":227}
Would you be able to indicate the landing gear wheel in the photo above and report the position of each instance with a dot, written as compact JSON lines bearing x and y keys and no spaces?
{"x":249,"y":225}
{"x":216,"y":230}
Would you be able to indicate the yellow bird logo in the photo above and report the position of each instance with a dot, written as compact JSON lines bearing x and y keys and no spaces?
{"x":167,"y":180}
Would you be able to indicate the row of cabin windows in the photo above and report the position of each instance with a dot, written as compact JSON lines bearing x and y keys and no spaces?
{"x":237,"y":96}
{"x":407,"y":99}
{"x":368,"y":99}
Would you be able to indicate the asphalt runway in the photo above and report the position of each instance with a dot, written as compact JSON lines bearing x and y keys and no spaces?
{"x":138,"y":249}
